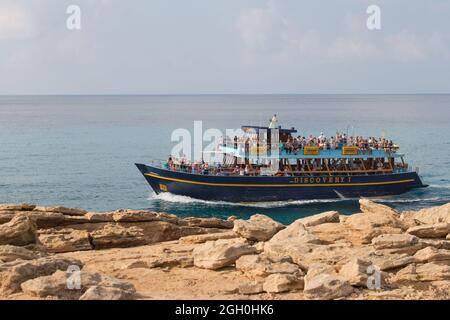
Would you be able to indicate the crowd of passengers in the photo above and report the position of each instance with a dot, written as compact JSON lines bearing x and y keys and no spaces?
{"x":296,"y":144}
{"x":302,"y":167}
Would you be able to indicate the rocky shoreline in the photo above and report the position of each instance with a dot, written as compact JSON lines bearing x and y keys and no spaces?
{"x":67,"y":253}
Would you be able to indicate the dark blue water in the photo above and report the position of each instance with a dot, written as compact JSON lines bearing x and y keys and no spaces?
{"x":79,"y":151}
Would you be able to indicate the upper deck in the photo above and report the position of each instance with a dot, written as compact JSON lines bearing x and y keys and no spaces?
{"x":344,"y":152}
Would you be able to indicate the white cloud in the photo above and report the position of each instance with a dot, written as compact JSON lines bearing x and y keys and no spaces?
{"x":407,"y":46}
{"x":15,"y":21}
{"x":259,"y":26}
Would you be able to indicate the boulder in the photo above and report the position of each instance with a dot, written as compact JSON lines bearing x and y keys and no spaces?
{"x":57,"y":284}
{"x":424,"y":272}
{"x":392,"y":261}
{"x":202,"y":238}
{"x":430,"y":254}
{"x":368,"y":206}
{"x":106,"y":293}
{"x":220,"y":253}
{"x":294,"y":241}
{"x":438,"y":230}
{"x":325,"y":217}
{"x":63,"y":210}
{"x":142,"y":216}
{"x":44,"y":219}
{"x":10,"y":253}
{"x":95,"y":217}
{"x":355,"y":272}
{"x":434,"y":215}
{"x":182,"y":261}
{"x":277,"y":283}
{"x":65,"y":240}
{"x":207,"y":223}
{"x":252,"y":287}
{"x":13,"y":274}
{"x":326,"y":286}
{"x":393,"y":241}
{"x":20,"y":231}
{"x":6,"y":216}
{"x":258,"y":228}
{"x":16,"y":207}
{"x":116,"y":236}
{"x":255,"y":265}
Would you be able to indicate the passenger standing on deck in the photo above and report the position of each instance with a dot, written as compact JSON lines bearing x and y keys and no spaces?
{"x":273,"y":122}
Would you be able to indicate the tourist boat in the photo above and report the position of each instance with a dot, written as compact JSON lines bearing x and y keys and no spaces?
{"x":309,"y":172}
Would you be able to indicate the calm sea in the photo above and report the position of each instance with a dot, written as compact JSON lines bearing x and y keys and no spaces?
{"x":79,"y":151}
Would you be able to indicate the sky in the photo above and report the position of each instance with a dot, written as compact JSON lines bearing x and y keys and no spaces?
{"x":224,"y":47}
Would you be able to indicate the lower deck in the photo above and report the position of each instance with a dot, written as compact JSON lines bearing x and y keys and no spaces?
{"x":278,"y":188}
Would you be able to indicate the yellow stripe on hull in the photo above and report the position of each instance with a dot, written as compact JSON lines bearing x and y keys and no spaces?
{"x":278,"y":185}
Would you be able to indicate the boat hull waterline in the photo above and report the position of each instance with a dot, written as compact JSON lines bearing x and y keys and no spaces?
{"x":278,"y":188}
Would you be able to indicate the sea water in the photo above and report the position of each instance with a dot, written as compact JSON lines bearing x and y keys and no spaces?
{"x":79,"y":151}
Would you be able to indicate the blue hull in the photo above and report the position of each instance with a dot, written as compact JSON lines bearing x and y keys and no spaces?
{"x":265,"y":188}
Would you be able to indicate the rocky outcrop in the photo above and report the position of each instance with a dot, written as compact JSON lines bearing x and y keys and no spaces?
{"x":423,"y":273}
{"x":255,"y":265}
{"x":257,"y":228}
{"x":202,"y":238}
{"x":13,"y":274}
{"x":355,"y":272}
{"x":430,"y":254}
{"x":342,"y":256}
{"x":433,"y":215}
{"x":326,"y":286}
{"x":20,"y":231}
{"x":107,"y":293}
{"x":220,"y":253}
{"x":277,"y":283}
{"x":63,"y":210}
{"x":76,"y":285}
{"x":325,"y":217}
{"x":65,"y":240}
{"x":438,"y":230}
{"x":11,"y":253}
{"x":117,"y":236}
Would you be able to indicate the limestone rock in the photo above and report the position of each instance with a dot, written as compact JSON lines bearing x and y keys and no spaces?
{"x":44,"y":219}
{"x":430,"y":254}
{"x":438,"y":230}
{"x":11,"y":253}
{"x":13,"y":274}
{"x":434,"y":215}
{"x":106,"y":293}
{"x":116,"y":236}
{"x":368,"y":206}
{"x":182,"y":261}
{"x":389,"y":241}
{"x":56,"y":284}
{"x":220,"y":253}
{"x":326,"y":286}
{"x":65,"y":240}
{"x":355,"y":272}
{"x":17,"y":207}
{"x":392,"y":261}
{"x":99,"y":217}
{"x":20,"y":231}
{"x":259,"y":266}
{"x":259,"y":227}
{"x":202,"y":238}
{"x":6,"y":216}
{"x":207,"y":223}
{"x":424,"y":272}
{"x":294,"y":241}
{"x":253,"y":287}
{"x":277,"y":283}
{"x":325,"y":217}
{"x":142,"y":216}
{"x":63,"y":210}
